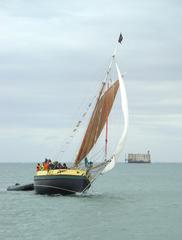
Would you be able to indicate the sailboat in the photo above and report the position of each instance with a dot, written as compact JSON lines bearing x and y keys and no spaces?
{"x":79,"y":178}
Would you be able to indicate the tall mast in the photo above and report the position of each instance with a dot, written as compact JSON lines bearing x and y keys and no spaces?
{"x":124,"y":107}
{"x":106,"y":136}
{"x":106,"y":78}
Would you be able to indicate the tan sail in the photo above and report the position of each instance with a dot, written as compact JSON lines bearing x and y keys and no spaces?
{"x":98,"y":120}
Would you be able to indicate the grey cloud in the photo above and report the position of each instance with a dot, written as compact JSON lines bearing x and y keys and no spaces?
{"x":53,"y":54}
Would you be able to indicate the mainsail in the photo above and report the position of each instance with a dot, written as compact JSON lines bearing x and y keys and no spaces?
{"x":97,"y":121}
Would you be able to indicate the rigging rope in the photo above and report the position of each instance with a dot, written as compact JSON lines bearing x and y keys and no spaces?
{"x":69,"y":139}
{"x":95,"y":154}
{"x":74,"y":131}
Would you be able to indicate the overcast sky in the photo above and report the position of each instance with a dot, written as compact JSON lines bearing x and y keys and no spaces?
{"x":53,"y":54}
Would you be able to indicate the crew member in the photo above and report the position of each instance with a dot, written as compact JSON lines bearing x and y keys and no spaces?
{"x":38,"y":167}
{"x":64,"y":166}
{"x":46,"y":165}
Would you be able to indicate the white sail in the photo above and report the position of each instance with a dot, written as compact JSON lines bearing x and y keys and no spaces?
{"x":124,"y":105}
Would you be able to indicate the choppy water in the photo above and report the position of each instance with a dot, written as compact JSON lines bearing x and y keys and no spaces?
{"x":140,"y":202}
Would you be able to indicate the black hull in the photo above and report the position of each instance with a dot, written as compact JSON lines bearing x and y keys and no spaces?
{"x":63,"y":185}
{"x":18,"y":187}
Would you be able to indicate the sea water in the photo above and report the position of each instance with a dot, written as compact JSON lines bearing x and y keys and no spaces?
{"x":132,"y":202}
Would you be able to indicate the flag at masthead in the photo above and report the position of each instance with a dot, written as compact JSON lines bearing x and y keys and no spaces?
{"x":120,"y":38}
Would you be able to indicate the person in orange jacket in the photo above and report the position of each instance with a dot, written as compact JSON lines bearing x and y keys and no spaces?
{"x":38,"y":167}
{"x":46,"y":165}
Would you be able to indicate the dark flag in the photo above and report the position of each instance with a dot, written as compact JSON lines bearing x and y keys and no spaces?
{"x":120,"y":38}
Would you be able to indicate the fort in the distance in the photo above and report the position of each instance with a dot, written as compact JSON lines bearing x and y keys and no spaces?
{"x":138,"y":158}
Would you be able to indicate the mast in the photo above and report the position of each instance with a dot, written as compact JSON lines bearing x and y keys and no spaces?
{"x":106,"y":136}
{"x":124,"y":105}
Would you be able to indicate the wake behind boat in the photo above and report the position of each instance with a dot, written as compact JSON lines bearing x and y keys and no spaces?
{"x":79,"y":177}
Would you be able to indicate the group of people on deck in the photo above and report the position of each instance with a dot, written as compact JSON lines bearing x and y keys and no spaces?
{"x":49,"y":165}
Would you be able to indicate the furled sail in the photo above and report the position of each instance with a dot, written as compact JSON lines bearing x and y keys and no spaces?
{"x":124,"y":104}
{"x":97,"y":121}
